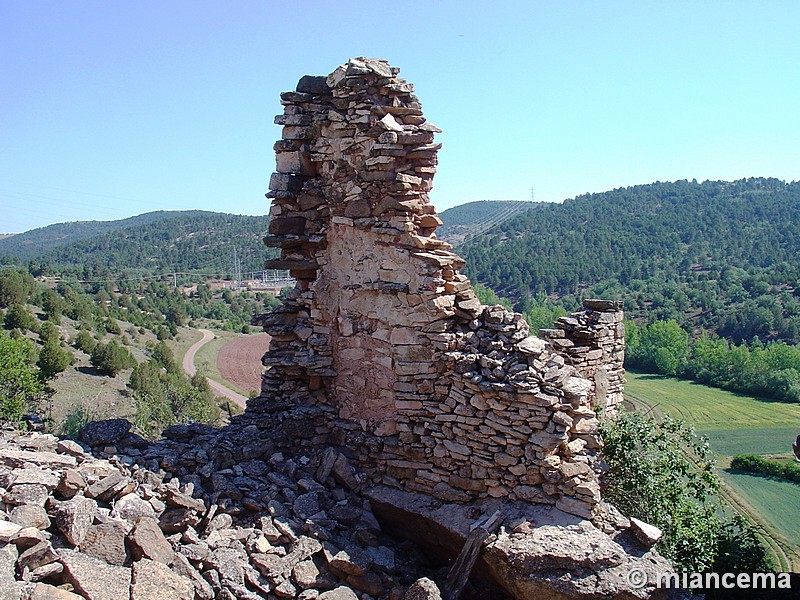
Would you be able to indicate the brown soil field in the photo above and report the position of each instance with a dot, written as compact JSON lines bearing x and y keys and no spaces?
{"x":239,"y":361}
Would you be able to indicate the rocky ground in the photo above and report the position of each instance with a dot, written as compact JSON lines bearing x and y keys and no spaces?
{"x":117,"y":517}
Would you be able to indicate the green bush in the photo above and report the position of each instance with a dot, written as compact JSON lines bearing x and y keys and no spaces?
{"x":752,"y":463}
{"x":111,"y":358}
{"x":49,"y":332}
{"x":20,"y":383}
{"x":18,"y":317}
{"x":164,"y":398}
{"x":661,"y":473}
{"x":15,"y":287}
{"x":740,"y":551}
{"x":75,"y":421}
{"x":85,"y":342}
{"x":53,"y":359}
{"x":111,"y":326}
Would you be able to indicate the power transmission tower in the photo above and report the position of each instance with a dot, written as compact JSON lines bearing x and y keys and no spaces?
{"x":237,"y":270}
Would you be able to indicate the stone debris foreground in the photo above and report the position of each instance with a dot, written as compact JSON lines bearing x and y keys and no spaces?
{"x":144,"y":521}
{"x":220,"y":513}
{"x":383,"y":348}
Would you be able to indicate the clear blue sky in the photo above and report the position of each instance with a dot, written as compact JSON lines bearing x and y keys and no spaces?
{"x":110,"y":109}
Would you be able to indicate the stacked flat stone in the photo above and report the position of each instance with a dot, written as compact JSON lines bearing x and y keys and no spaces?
{"x":593,"y":341}
{"x":75,"y":525}
{"x":383,"y":348}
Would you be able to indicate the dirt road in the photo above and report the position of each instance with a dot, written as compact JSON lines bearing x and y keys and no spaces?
{"x":188,"y":366}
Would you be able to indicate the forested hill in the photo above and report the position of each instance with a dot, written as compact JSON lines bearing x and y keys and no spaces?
{"x":183,"y":241}
{"x":39,"y":241}
{"x":721,"y":255}
{"x":191,"y":241}
{"x":473,"y":218}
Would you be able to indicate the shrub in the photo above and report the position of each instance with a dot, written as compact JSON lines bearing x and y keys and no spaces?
{"x":85,"y":342}
{"x":111,"y":358}
{"x":75,"y":421}
{"x":661,"y":473}
{"x":752,"y":463}
{"x":15,"y":287}
{"x":53,"y":359}
{"x":18,"y":317}
{"x":111,"y":326}
{"x":163,"y":398}
{"x":20,"y":384}
{"x":740,"y":551}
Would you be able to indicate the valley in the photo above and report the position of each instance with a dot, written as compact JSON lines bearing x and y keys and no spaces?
{"x":702,"y":306}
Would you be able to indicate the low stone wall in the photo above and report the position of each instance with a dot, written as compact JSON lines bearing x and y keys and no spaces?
{"x":593,"y":341}
{"x":382,"y":348}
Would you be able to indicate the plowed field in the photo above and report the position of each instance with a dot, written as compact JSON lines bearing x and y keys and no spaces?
{"x":239,"y":361}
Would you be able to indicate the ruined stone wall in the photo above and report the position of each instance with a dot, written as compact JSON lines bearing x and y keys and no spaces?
{"x":593,"y":341}
{"x":382,"y":348}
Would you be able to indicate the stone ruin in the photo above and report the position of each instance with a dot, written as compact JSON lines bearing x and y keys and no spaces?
{"x":395,"y":410}
{"x":383,"y":350}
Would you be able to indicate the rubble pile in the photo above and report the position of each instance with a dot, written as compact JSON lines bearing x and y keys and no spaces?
{"x":75,"y":525}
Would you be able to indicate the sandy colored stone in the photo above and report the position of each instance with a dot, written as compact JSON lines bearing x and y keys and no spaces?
{"x":93,"y":578}
{"x":153,"y":580}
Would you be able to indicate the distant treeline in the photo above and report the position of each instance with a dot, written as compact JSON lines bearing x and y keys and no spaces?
{"x":770,"y":369}
{"x":154,"y":305}
{"x":198,"y":242}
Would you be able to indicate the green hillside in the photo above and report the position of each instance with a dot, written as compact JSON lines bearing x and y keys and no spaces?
{"x":163,"y":242}
{"x":716,"y":255}
{"x":44,"y":239}
{"x":187,"y":241}
{"x":473,"y":218}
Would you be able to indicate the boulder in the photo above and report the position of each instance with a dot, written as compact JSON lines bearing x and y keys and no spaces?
{"x":153,"y":580}
{"x":93,"y":578}
{"x":339,"y":593}
{"x":106,"y":541}
{"x":102,"y":433}
{"x":43,"y":591}
{"x":148,"y":541}
{"x":423,"y":589}
{"x":74,"y":517}
{"x":645,"y":533}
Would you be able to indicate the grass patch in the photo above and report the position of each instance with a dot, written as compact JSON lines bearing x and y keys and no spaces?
{"x":183,"y":341}
{"x":767,"y":440}
{"x":707,"y":408}
{"x":776,"y":501}
{"x":735,"y":424}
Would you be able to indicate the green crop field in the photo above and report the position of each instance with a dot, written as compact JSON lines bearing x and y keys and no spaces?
{"x":736,"y":424}
{"x":766,"y":440}
{"x":709,"y":408}
{"x":775,"y":500}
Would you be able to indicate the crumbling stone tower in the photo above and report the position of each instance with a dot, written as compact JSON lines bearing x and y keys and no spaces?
{"x":382,"y":348}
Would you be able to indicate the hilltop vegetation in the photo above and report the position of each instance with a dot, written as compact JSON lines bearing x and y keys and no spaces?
{"x":473,"y":218}
{"x":43,"y":239}
{"x":187,"y":242}
{"x":714,"y":255}
{"x":153,"y":243}
{"x":86,"y":336}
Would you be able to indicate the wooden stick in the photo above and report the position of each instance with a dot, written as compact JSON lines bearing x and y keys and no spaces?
{"x":459,"y":573}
